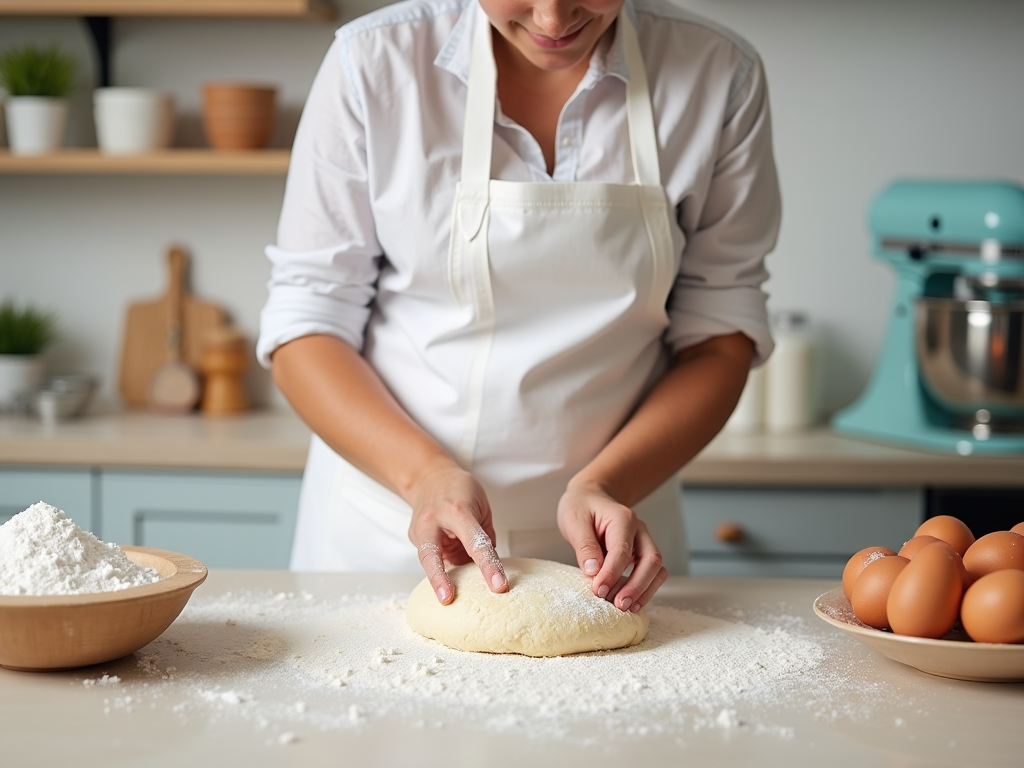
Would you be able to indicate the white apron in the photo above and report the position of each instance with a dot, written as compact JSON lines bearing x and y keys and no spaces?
{"x":545,"y":334}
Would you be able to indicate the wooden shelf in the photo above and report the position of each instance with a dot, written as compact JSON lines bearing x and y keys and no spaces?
{"x":183,"y":162}
{"x":319,"y":9}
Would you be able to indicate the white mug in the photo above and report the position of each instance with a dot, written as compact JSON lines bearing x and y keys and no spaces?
{"x":132,"y":120}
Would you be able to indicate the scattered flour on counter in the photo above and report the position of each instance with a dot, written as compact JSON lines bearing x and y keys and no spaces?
{"x":293,"y":665}
{"x":43,"y":552}
{"x":105,"y":680}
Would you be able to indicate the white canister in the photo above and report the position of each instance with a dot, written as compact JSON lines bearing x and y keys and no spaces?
{"x":791,"y":375}
{"x":35,"y":124}
{"x":132,"y":120}
{"x":748,"y":416}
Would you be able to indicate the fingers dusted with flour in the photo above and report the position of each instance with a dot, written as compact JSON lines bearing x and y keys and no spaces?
{"x":648,"y":571}
{"x":451,"y":523}
{"x":608,"y":539}
{"x":433,"y":566}
{"x":486,"y":557}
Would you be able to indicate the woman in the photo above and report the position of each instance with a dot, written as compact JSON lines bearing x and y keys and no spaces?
{"x":510,"y":297}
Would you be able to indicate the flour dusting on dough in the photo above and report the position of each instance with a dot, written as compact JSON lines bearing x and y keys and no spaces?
{"x":549,"y":610}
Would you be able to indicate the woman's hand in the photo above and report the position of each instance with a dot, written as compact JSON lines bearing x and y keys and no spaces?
{"x":676,"y":419}
{"x":344,"y":401}
{"x":451,"y":522}
{"x":608,"y":538}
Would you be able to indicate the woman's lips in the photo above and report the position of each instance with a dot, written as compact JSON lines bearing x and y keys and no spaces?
{"x":549,"y":42}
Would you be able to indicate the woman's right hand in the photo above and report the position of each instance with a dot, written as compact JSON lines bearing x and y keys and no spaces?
{"x":451,"y":522}
{"x":344,"y":401}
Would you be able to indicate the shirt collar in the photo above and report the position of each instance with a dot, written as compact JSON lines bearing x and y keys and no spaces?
{"x":455,"y":53}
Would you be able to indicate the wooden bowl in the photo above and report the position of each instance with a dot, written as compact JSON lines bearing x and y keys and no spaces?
{"x":52,"y":632}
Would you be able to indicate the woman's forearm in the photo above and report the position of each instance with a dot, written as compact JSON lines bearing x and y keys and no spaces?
{"x":344,"y":401}
{"x":679,"y":416}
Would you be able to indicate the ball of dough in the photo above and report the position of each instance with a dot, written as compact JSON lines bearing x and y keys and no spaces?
{"x":549,"y":610}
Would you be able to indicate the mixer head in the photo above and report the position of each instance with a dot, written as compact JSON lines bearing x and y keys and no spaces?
{"x":959,"y":227}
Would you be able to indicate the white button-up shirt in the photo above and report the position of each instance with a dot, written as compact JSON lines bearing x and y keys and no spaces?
{"x":378,"y":149}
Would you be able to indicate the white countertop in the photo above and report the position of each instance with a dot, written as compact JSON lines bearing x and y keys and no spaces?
{"x":854,"y":708}
{"x":277,"y":441}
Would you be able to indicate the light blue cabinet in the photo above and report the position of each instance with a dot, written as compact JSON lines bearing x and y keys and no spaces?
{"x":805,"y":532}
{"x":68,"y":489}
{"x":247,"y":519}
{"x":224,"y":520}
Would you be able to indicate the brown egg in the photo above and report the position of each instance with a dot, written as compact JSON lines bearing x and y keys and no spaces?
{"x":924,"y":601}
{"x":915,"y":545}
{"x":948,"y":529}
{"x":1018,"y":528}
{"x":858,"y":563}
{"x":918,"y":543}
{"x":871,"y":590}
{"x":966,"y":577}
{"x":993,"y":608}
{"x":995,"y":552}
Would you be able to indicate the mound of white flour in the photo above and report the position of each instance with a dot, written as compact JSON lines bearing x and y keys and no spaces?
{"x":43,"y":552}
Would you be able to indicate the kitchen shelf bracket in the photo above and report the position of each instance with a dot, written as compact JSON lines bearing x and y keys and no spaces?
{"x":100,"y":28}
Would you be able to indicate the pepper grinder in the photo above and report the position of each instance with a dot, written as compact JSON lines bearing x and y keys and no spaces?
{"x":225,"y":358}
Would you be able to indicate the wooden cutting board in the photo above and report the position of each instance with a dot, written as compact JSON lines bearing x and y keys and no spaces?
{"x":147,"y":325}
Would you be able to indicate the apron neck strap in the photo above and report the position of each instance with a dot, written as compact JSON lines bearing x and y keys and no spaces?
{"x":478,"y":129}
{"x":643,"y":139}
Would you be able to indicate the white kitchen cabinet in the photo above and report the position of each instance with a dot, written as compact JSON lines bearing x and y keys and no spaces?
{"x":240,"y":520}
{"x":800,"y":532}
{"x":68,"y":489}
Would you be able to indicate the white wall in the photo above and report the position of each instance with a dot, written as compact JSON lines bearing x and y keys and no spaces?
{"x":863,"y":92}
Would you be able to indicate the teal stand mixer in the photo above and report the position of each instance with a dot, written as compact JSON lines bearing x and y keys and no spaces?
{"x":950,"y":377}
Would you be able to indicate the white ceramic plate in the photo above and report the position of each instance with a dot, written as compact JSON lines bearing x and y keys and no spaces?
{"x":954,"y":656}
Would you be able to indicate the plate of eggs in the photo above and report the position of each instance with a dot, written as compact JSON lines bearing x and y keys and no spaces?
{"x":944,"y":603}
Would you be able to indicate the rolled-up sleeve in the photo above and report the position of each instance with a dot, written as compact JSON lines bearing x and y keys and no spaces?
{"x":326,"y":261}
{"x":718,"y":289}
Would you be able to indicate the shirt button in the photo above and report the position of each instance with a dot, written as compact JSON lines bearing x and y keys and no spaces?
{"x":567,"y":141}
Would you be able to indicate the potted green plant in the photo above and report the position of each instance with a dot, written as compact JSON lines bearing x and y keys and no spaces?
{"x":37,"y":80}
{"x":24,"y":333}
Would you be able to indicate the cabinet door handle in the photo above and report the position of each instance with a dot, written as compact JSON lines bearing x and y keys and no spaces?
{"x":730,"y":533}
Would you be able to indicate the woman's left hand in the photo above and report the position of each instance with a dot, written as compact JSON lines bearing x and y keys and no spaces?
{"x":608,"y":538}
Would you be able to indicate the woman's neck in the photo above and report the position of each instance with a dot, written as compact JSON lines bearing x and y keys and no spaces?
{"x":532,"y":96}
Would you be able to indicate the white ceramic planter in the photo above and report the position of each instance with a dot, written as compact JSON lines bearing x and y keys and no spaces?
{"x":20,"y":377}
{"x":3,"y":122}
{"x":35,"y":124}
{"x":132,"y":120}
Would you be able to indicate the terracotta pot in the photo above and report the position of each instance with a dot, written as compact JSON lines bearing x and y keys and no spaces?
{"x":238,"y":115}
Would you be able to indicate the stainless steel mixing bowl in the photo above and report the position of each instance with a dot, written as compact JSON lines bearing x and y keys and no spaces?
{"x":971,"y":358}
